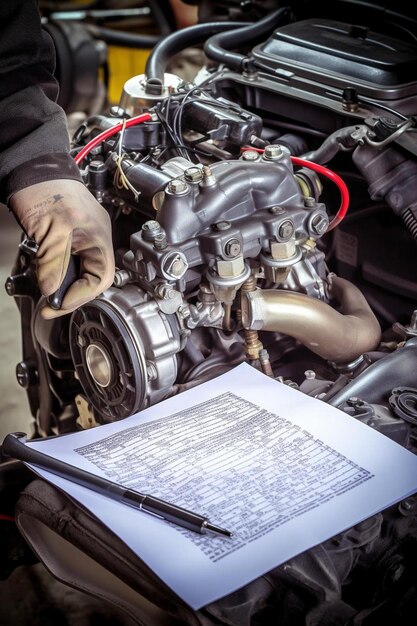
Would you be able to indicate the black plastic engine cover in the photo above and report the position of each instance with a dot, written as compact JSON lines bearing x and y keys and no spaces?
{"x":340,"y":54}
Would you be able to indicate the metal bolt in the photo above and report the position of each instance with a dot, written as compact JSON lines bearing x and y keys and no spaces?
{"x":193,"y":175}
{"x":310,"y":374}
{"x":160,"y":241}
{"x":319,"y":224}
{"x":150,"y":229}
{"x":10,"y":287}
{"x":177,"y":186}
{"x":223,"y":225}
{"x":309,"y":202}
{"x":354,"y":401}
{"x":273,"y":152}
{"x":286,"y":229}
{"x":177,"y":267}
{"x":232,"y":247}
{"x":276,"y":210}
{"x":121,"y":278}
{"x":250,"y":155}
{"x":166,"y":292}
{"x":208,"y":178}
{"x":26,"y":374}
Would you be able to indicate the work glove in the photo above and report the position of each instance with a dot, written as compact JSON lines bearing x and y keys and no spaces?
{"x":64,"y":218}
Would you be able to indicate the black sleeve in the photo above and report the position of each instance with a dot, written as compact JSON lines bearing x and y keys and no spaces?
{"x":34,"y":144}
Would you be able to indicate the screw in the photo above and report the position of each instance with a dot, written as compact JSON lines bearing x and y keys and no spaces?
{"x":276,"y":210}
{"x":309,"y":202}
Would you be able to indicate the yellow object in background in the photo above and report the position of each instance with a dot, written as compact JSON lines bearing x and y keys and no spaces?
{"x":124,"y":63}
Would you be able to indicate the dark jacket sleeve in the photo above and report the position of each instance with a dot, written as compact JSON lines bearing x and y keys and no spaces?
{"x":34,"y":144}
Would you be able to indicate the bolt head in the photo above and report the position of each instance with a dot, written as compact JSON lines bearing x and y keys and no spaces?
{"x":223,"y":225}
{"x":177,"y":186}
{"x":233,"y":247}
{"x":193,"y":175}
{"x":273,"y":152}
{"x":286,"y":230}
{"x":319,"y":224}
{"x":250,"y":155}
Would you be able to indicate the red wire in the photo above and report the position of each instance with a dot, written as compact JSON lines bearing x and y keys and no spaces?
{"x":6,"y":518}
{"x":108,"y":133}
{"x":324,"y":171}
{"x":344,"y":192}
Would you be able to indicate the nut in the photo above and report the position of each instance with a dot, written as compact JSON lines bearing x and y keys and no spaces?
{"x":193,"y":175}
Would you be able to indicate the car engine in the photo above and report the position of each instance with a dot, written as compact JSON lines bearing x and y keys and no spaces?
{"x":265,"y":212}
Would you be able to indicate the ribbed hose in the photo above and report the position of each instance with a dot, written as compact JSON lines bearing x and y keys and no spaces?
{"x":218,"y":47}
{"x":409,"y":217}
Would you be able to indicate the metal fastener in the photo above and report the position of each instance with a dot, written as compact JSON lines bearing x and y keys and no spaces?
{"x":177,"y":186}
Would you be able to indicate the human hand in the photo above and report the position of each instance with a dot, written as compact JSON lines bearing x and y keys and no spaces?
{"x":64,"y":218}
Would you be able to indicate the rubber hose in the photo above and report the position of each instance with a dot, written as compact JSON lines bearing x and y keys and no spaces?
{"x":218,"y":46}
{"x":120,"y":38}
{"x":174,"y":43}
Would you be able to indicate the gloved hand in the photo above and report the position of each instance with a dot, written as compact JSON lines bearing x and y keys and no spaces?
{"x":64,"y":218}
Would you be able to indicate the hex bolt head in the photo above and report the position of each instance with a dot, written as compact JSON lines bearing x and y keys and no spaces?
{"x":232,"y":247}
{"x":276,"y":210}
{"x":177,"y":186}
{"x":160,"y":241}
{"x":193,"y":175}
{"x":250,"y":155}
{"x":150,"y":229}
{"x":309,"y":202}
{"x":286,"y":229}
{"x":319,"y":224}
{"x":273,"y":152}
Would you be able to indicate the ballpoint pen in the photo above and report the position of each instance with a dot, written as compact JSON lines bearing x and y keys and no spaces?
{"x":15,"y":447}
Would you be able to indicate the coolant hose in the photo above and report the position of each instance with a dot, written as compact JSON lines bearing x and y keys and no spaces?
{"x":174,"y":43}
{"x":336,"y":336}
{"x":218,"y":47}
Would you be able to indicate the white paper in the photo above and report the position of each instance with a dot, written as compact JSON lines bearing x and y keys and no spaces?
{"x":280,"y":469}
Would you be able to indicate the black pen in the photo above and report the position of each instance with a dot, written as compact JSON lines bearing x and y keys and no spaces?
{"x":14,"y":446}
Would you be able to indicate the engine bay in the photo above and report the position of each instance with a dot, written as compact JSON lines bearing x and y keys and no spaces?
{"x":265,"y":212}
